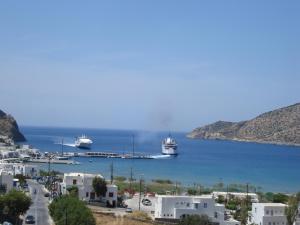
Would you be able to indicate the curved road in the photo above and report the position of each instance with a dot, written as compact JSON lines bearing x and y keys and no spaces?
{"x":39,"y":207}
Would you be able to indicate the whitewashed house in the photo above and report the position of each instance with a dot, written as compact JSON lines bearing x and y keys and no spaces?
{"x":176,"y":207}
{"x":297,"y":222}
{"x":84,"y":183}
{"x":26,"y":170}
{"x":6,"y":181}
{"x":268,"y":214}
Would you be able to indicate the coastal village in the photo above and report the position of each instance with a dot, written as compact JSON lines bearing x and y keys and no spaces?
{"x":19,"y":171}
{"x":150,"y":112}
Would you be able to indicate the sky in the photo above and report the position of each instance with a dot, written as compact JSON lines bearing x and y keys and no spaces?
{"x":147,"y":65}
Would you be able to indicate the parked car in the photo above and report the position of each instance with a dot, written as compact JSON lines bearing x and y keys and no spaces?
{"x":7,"y":223}
{"x":30,"y":219}
{"x":128,"y":210}
{"x":47,"y":194}
{"x":146,"y":202}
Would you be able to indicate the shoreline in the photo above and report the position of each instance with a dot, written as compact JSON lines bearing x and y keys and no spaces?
{"x":246,"y":141}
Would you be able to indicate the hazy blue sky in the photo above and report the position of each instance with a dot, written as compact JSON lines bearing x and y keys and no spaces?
{"x":155,"y":65}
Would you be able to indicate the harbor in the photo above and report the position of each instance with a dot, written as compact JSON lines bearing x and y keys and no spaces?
{"x":102,"y":154}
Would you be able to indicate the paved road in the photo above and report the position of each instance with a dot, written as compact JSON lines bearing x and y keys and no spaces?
{"x":39,"y":207}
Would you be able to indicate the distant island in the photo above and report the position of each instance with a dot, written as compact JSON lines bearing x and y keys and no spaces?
{"x":9,"y":130}
{"x":280,"y":126}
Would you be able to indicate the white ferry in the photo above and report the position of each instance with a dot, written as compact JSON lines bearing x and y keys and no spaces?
{"x":83,"y":142}
{"x":169,"y":146}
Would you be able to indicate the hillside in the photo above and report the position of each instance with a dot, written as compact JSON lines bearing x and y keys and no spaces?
{"x":9,"y":128}
{"x":280,"y":126}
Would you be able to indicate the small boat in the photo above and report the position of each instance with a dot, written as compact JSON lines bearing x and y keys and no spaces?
{"x":83,"y":142}
{"x":169,"y":146}
{"x":62,"y":158}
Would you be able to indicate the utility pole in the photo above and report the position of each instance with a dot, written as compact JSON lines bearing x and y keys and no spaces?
{"x":227,"y":189}
{"x":132,"y":145}
{"x":62,"y":147}
{"x":49,"y":166}
{"x":140,"y":196}
{"x":111,"y":173}
{"x":247,"y":188}
{"x":130,"y":180}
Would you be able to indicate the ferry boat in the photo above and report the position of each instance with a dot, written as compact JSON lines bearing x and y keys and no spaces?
{"x":169,"y":146}
{"x":83,"y":142}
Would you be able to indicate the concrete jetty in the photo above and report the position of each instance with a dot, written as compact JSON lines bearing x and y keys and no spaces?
{"x":109,"y":155}
{"x":52,"y":161}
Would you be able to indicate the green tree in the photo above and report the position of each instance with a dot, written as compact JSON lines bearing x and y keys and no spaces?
{"x":14,"y":204}
{"x":280,"y":198}
{"x":68,"y":210}
{"x":291,"y":211}
{"x":22,"y":179}
{"x":195,"y":220}
{"x":73,"y":191}
{"x":192,"y":191}
{"x":221,"y":199}
{"x":99,"y":186}
{"x":241,"y":213}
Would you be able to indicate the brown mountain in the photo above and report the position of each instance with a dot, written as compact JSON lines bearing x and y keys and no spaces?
{"x":9,"y":127}
{"x":280,"y":126}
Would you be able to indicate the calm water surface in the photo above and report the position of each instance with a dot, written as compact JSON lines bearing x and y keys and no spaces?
{"x":274,"y":168}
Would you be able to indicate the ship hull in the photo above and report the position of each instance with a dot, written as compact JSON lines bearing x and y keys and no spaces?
{"x":83,"y":145}
{"x":169,"y":150}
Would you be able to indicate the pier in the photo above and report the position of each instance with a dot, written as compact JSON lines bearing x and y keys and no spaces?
{"x":52,"y":161}
{"x":108,"y":155}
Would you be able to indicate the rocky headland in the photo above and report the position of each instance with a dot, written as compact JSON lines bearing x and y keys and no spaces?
{"x":9,"y":130}
{"x":280,"y":126}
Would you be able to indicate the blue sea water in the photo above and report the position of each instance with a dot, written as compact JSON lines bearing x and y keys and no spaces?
{"x":206,"y":162}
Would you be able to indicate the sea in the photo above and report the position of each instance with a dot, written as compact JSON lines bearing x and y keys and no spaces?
{"x":203,"y":162}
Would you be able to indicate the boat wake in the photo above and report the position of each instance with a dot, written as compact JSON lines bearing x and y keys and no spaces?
{"x":160,"y":156}
{"x":66,"y":144}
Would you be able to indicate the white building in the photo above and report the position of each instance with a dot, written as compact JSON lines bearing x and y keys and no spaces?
{"x":26,"y":170}
{"x":84,"y":183}
{"x":240,"y":195}
{"x":6,"y":181}
{"x":268,"y":214}
{"x":177,"y":207}
{"x":297,"y":222}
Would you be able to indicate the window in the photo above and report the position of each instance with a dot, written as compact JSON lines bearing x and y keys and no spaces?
{"x":187,"y":204}
{"x":74,"y":182}
{"x":196,"y":205}
{"x":110,"y":194}
{"x":255,"y":209}
{"x":205,"y":205}
{"x":270,"y":223}
{"x":267,"y":212}
{"x":216,"y":215}
{"x":87,"y":194}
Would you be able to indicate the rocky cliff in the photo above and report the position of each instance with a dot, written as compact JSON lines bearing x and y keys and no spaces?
{"x":280,"y":126}
{"x":9,"y":128}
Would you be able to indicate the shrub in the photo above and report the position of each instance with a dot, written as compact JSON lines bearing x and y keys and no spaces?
{"x":68,"y":210}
